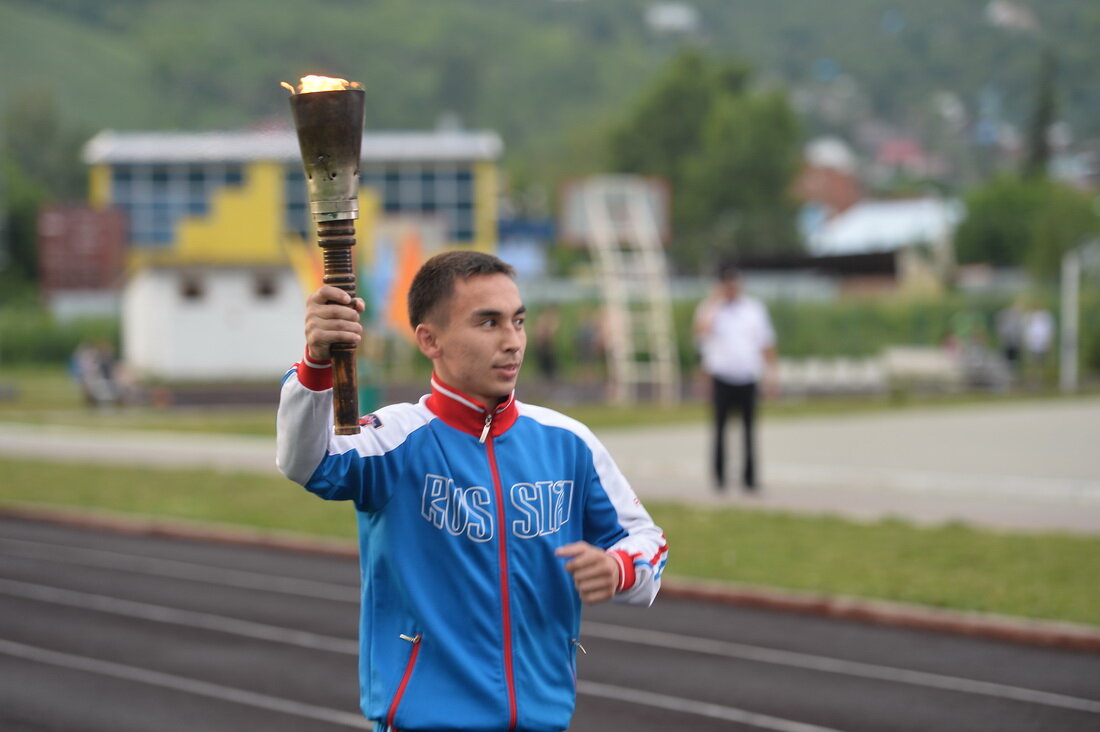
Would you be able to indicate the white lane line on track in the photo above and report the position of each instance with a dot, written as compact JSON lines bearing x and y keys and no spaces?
{"x":175,"y":616}
{"x":659,"y":639}
{"x":205,"y":621}
{"x":181,"y":683}
{"x":713,"y":711}
{"x":119,"y":561}
{"x":725,"y":649}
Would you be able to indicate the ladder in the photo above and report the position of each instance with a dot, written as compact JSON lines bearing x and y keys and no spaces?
{"x":632,"y":275}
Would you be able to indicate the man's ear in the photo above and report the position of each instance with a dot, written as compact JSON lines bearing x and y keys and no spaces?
{"x":427,"y":340}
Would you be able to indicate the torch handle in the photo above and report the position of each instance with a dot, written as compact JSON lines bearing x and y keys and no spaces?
{"x":336,"y":239}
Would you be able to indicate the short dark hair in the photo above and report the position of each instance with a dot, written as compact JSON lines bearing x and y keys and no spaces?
{"x":728,"y":271}
{"x":435,"y":282}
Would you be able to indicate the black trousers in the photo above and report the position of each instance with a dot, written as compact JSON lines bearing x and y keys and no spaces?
{"x":742,"y":399}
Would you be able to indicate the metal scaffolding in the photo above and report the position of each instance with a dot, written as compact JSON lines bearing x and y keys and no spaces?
{"x":623,"y":236}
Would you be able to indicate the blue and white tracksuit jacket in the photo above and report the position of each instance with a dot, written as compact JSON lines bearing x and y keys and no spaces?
{"x":468,"y":620}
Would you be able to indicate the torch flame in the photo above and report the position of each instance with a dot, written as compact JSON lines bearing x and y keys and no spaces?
{"x":320,"y":83}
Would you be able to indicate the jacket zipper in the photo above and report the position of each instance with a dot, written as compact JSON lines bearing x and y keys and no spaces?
{"x":505,"y":601}
{"x":576,"y":643}
{"x":415,"y":640}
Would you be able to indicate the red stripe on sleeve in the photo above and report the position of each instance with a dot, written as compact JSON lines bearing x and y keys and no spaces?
{"x":660,"y":553}
{"x":626,"y":569}
{"x":315,"y":375}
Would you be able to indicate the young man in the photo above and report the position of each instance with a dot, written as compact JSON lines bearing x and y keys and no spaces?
{"x":737,"y":345}
{"x":483,"y":522}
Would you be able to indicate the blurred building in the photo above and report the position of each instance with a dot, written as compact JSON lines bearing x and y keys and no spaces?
{"x":218,"y":240}
{"x":524,"y":242}
{"x":873,"y":246}
{"x":81,"y":256}
{"x":828,"y":183}
{"x":913,"y":238}
{"x":1011,"y":16}
{"x":672,"y":18}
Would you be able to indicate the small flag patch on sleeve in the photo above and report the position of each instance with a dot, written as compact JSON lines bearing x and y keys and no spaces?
{"x":370,"y":420}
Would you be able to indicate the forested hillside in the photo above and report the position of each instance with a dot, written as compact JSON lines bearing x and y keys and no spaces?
{"x":552,"y":77}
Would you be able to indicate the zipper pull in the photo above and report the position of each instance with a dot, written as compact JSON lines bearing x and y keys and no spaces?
{"x":414,"y":639}
{"x":488,"y":424}
{"x":577,"y":643}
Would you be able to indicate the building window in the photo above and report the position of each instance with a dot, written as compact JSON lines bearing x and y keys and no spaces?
{"x":156,"y":197}
{"x":266,"y":287}
{"x":439,"y":190}
{"x":191,"y":288}
{"x":234,"y":175}
{"x":297,"y":202}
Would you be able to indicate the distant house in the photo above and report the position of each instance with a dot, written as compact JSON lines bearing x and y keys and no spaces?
{"x":903,"y":157}
{"x":919,"y":233}
{"x":219,"y":234}
{"x":827,"y":184}
{"x":828,"y":179}
{"x":1010,"y":15}
{"x":81,"y":260}
{"x":672,"y":18}
{"x":877,"y":225}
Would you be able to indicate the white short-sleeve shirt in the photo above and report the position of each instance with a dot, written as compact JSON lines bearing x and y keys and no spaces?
{"x":733,"y":337}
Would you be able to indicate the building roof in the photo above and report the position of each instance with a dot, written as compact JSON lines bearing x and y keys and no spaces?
{"x":878,"y":226}
{"x":830,"y":152}
{"x":111,"y":147}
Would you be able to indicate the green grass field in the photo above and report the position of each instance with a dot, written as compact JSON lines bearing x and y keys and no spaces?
{"x":1048,"y":576}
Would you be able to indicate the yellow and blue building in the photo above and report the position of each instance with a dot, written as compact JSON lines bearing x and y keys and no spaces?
{"x":219,"y":237}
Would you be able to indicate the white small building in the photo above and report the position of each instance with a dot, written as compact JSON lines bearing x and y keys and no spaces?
{"x":231,"y":323}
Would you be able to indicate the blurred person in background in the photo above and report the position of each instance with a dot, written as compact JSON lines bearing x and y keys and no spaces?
{"x":1010,"y":333}
{"x":1038,"y":341}
{"x":546,"y":343}
{"x":591,"y":343}
{"x":93,"y":367}
{"x":484,"y":522}
{"x":736,"y":342}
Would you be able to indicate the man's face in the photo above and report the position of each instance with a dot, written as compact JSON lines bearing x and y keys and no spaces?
{"x":730,"y":287}
{"x":477,"y":342}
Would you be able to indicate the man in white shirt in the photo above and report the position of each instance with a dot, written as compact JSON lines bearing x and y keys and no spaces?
{"x":737,"y":345}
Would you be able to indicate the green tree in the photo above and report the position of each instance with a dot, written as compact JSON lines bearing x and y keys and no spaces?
{"x":740,"y":176}
{"x":1042,"y":117}
{"x":1013,"y":222}
{"x":40,"y":162}
{"x":728,"y":151}
{"x":1065,"y":220}
{"x":996,"y":230}
{"x":662,"y":130}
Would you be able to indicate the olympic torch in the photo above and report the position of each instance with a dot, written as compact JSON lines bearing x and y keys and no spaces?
{"x":328,"y":115}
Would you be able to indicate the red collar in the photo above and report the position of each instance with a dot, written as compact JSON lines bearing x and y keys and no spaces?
{"x":467,"y":414}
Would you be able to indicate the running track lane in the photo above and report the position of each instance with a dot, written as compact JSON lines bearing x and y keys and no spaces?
{"x":100,"y":631}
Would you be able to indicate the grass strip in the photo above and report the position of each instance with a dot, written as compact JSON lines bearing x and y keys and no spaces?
{"x":1048,"y":575}
{"x":47,"y":395}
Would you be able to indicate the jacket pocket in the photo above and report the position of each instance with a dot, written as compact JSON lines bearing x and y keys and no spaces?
{"x":415,"y":640}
